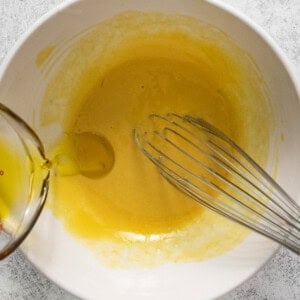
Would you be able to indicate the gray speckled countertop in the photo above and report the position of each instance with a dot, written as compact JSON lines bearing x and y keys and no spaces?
{"x":280,"y":277}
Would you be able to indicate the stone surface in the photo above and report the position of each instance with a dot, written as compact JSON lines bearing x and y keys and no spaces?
{"x":280,"y":277}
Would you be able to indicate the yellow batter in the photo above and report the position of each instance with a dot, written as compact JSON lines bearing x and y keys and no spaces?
{"x":110,"y":80}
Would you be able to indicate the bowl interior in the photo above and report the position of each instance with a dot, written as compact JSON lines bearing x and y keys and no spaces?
{"x":53,"y":251}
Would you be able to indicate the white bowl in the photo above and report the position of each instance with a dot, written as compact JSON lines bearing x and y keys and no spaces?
{"x":71,"y":265}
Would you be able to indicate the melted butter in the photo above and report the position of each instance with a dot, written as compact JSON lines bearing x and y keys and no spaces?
{"x":84,"y":153}
{"x":12,"y":178}
{"x":131,"y":66}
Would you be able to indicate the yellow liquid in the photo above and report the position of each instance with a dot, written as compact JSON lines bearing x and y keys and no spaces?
{"x":13,"y":178}
{"x":112,"y":78}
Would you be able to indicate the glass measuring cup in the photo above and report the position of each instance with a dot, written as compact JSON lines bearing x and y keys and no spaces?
{"x":24,"y":180}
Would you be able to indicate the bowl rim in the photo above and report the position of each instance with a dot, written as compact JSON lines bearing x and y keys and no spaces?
{"x":229,"y":9}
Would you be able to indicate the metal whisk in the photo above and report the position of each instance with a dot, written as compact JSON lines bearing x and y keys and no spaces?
{"x":205,"y":164}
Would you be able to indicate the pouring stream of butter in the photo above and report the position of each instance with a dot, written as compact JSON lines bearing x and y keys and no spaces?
{"x":85,"y":153}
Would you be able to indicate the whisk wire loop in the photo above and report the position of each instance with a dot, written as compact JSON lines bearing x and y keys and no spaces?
{"x":208,"y":166}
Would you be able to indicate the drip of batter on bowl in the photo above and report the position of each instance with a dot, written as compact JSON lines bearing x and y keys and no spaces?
{"x":112,"y":78}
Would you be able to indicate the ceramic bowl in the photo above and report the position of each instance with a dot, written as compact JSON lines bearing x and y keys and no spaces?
{"x":61,"y":257}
